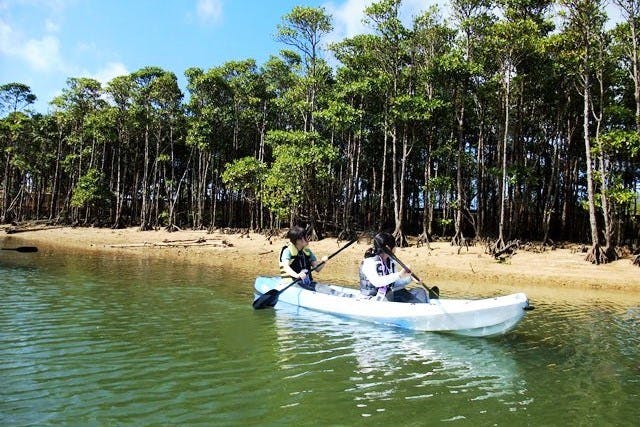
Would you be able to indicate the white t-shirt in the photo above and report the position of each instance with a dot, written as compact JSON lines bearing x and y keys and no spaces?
{"x":379,"y":275}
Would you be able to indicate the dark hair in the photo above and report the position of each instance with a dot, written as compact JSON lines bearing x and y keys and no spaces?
{"x":380,"y":241}
{"x":296,"y":233}
{"x":384,"y":240}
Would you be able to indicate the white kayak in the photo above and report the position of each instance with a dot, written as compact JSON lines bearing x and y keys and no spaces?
{"x":478,"y":318}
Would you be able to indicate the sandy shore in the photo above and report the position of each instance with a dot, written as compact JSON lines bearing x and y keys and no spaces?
{"x":550,"y":273}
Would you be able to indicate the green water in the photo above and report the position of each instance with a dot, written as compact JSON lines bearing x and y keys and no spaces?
{"x":90,"y":340}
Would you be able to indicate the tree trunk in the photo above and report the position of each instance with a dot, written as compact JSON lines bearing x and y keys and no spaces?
{"x":500,"y":243}
{"x":145,"y":183}
{"x":458,"y":237}
{"x":383,"y":174}
{"x":427,"y":209}
{"x":595,"y":254}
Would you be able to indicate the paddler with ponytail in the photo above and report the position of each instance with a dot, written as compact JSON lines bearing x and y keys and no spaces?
{"x":296,"y":259}
{"x":382,"y":278}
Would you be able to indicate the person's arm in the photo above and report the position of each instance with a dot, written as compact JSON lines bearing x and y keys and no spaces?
{"x":369,"y":270}
{"x":284,"y":263}
{"x":404,"y":277}
{"x":315,"y":262}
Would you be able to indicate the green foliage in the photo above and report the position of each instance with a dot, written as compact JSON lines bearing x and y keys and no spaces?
{"x":619,"y":142}
{"x":282,"y":191}
{"x":441,"y":183}
{"x":620,"y":195}
{"x":163,"y":158}
{"x":339,"y":115}
{"x":303,"y":29}
{"x":301,"y":159}
{"x":15,"y":96}
{"x":414,"y":107}
{"x":247,"y":173}
{"x":91,"y":190}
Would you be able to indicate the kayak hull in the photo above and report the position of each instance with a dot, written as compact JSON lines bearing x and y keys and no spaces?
{"x":479,"y":318}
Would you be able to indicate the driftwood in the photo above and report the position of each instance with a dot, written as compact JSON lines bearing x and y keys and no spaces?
{"x":507,"y":252}
{"x":19,"y":229}
{"x":199,"y":240}
{"x":176,"y":244}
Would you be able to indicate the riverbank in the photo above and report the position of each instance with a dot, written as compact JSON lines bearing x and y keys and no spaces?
{"x":552,"y":272}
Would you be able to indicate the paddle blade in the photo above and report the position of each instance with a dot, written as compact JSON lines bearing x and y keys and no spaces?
{"x":22,"y":249}
{"x":268,"y":299}
{"x":434,"y":292}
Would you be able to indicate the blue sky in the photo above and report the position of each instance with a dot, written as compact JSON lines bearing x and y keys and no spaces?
{"x":43,"y":42}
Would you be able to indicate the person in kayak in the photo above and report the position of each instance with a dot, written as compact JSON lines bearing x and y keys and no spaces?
{"x":379,"y":276}
{"x":297,"y":259}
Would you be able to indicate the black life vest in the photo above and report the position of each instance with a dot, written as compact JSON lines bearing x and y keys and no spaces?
{"x":300,"y":260}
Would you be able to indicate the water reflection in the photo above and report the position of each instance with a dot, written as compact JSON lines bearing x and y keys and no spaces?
{"x":391,"y":365}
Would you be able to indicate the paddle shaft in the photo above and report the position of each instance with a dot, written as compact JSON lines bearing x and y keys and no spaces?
{"x":419,"y":280}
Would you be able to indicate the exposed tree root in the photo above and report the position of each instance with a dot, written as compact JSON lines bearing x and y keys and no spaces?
{"x":505,"y":251}
{"x":598,"y":255}
{"x":171,"y":228}
{"x":461,"y":242}
{"x":401,"y":239}
{"x":423,"y":239}
{"x":347,"y":235}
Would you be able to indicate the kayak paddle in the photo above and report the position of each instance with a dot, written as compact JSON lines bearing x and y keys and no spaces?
{"x":22,"y":249}
{"x":432,"y":291}
{"x":270,"y":298}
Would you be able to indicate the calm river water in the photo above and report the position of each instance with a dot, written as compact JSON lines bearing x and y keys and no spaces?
{"x":104,"y":340}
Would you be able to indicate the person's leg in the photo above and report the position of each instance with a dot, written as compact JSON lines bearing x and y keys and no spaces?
{"x":419,"y":295}
{"x":308,"y":285}
{"x":401,"y":295}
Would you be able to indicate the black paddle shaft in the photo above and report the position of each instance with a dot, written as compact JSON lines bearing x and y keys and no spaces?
{"x":395,"y":258}
{"x":270,"y":298}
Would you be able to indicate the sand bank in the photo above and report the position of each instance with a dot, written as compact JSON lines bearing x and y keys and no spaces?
{"x":552,"y":272}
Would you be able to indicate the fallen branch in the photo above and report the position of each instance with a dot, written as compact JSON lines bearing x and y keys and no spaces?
{"x":509,"y":250}
{"x":199,"y":240}
{"x":14,"y":230}
{"x":164,"y":244}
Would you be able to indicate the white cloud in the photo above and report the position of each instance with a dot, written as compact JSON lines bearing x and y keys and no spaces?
{"x":209,"y":11}
{"x":6,"y":33}
{"x":108,"y":73}
{"x":51,"y":26}
{"x":347,"y":18}
{"x":412,"y":8}
{"x":87,"y":47}
{"x":41,"y":54}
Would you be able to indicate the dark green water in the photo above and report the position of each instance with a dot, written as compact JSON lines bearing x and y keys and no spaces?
{"x":88,"y":340}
